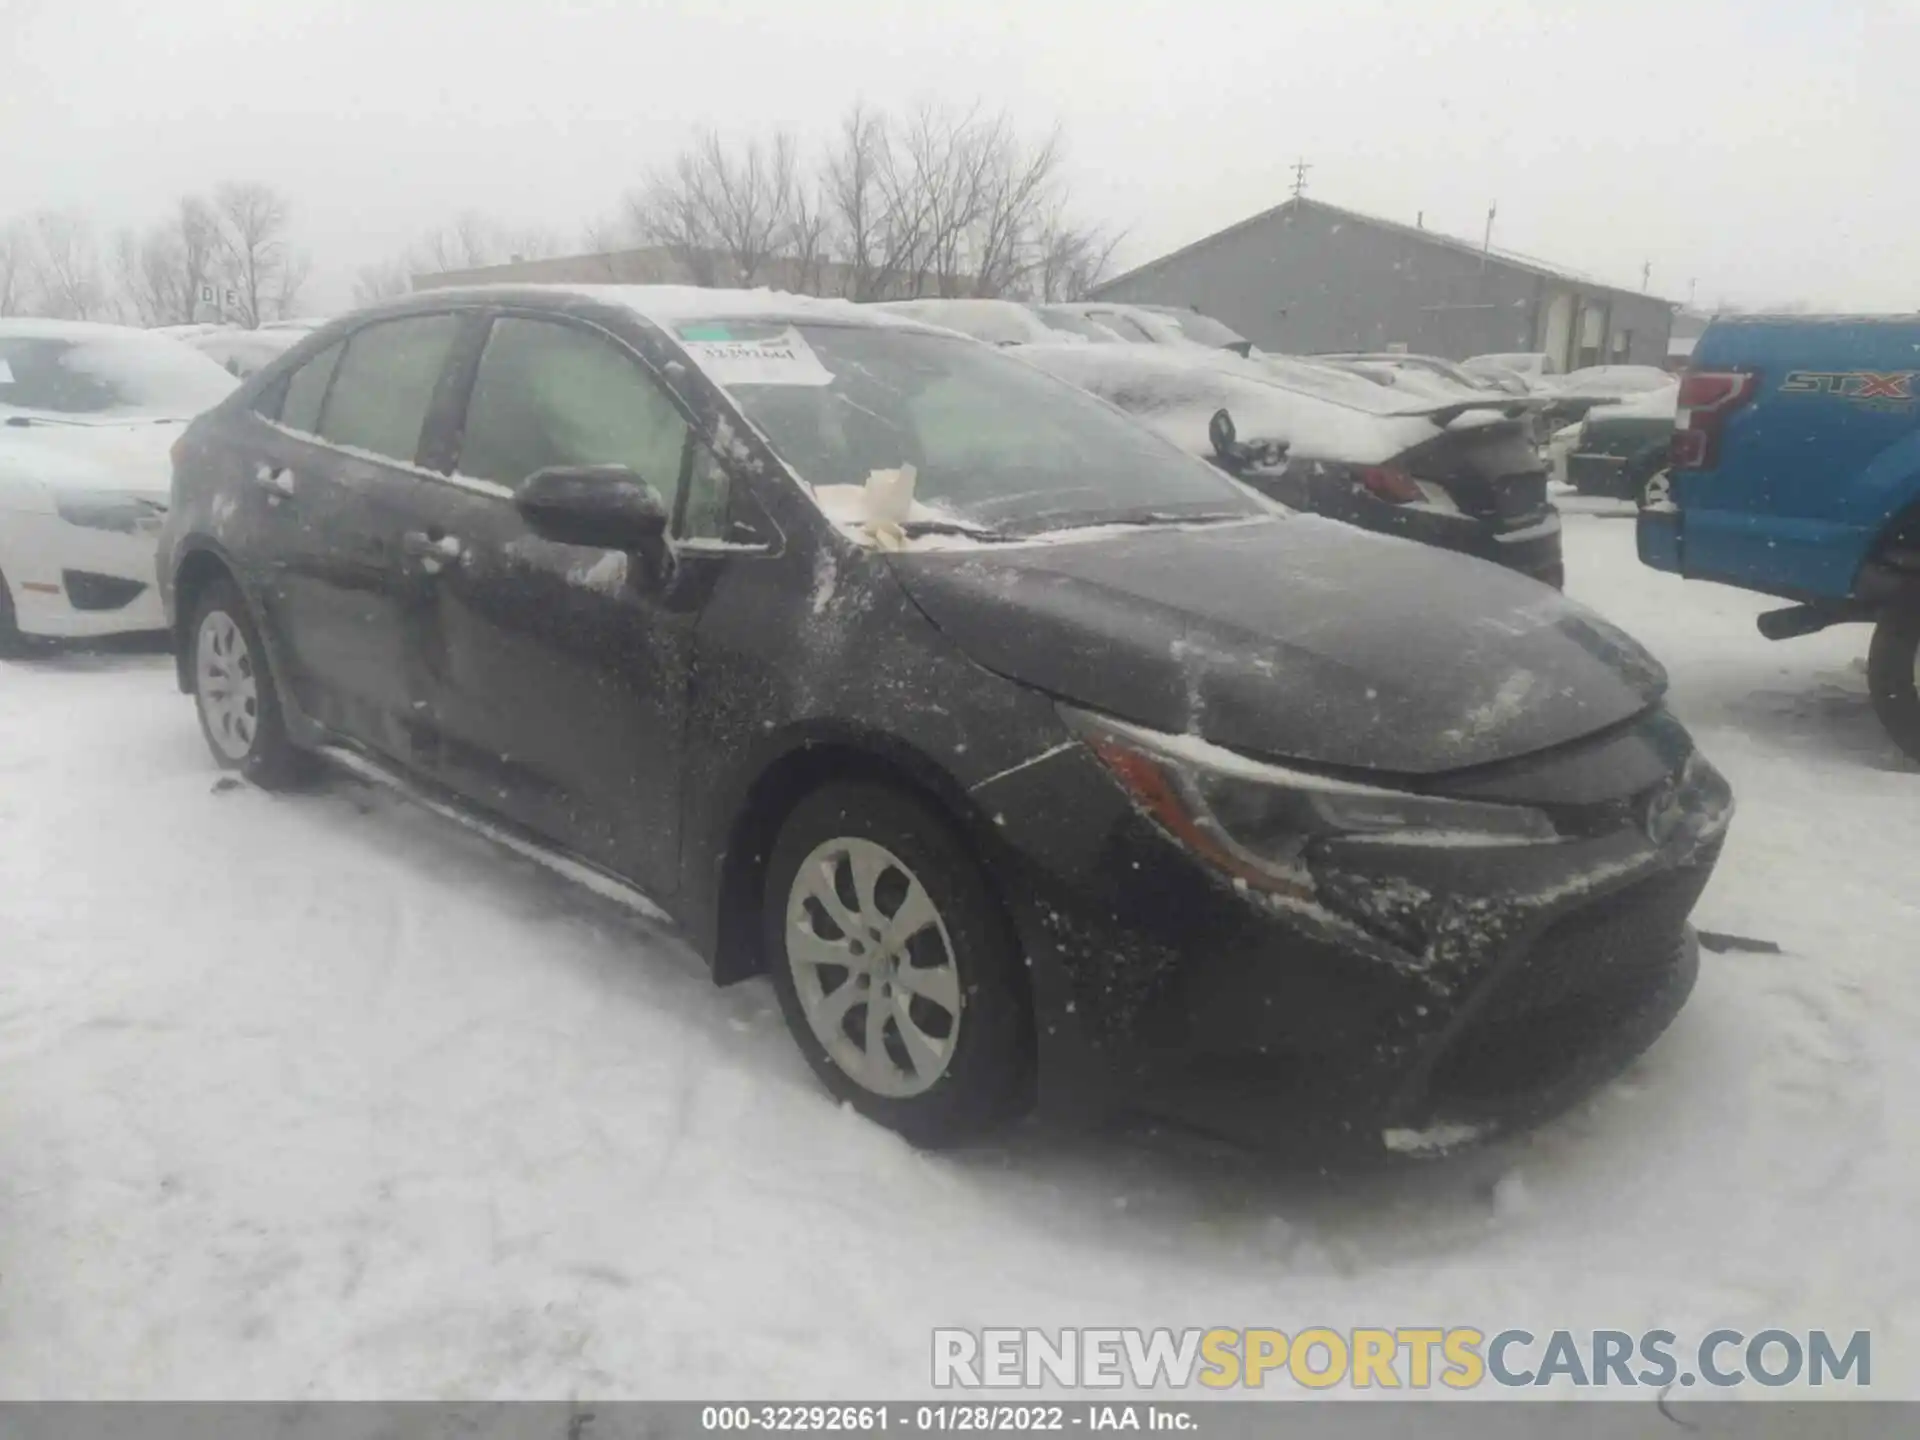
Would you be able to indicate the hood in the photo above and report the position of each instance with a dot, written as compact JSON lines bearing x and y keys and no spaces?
{"x":1299,"y":639}
{"x":133,"y":457}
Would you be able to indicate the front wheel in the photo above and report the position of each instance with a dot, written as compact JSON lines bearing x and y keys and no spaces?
{"x":1893,"y":675}
{"x":233,"y":691}
{"x":13,"y":644}
{"x":896,"y":969}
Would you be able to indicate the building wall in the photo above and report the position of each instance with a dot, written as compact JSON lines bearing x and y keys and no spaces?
{"x":1644,"y":323}
{"x":1307,"y":280}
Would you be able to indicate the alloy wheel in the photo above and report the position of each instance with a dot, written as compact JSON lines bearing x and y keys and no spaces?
{"x":226,"y":686}
{"x":873,"y":967}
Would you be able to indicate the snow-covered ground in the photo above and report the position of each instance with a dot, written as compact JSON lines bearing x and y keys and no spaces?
{"x":320,"y":1096}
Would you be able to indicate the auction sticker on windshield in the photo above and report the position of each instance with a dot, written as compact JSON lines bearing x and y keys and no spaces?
{"x":783,"y":358}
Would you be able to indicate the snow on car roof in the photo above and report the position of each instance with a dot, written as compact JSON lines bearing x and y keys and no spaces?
{"x":671,"y":305}
{"x":41,"y":329}
{"x":1321,"y":413}
{"x":998,"y":322}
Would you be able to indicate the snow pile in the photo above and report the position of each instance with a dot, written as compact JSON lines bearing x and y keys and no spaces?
{"x":318,"y":1096}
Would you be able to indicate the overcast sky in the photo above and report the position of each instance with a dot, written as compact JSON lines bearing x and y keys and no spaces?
{"x":1764,"y":149}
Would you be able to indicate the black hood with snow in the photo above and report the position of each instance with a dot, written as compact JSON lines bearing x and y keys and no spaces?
{"x":1297,"y":638}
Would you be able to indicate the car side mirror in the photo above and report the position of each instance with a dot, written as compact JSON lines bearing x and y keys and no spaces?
{"x":604,"y":507}
{"x":1221,"y":433}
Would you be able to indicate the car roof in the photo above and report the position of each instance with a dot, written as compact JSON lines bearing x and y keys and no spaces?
{"x":664,"y":305}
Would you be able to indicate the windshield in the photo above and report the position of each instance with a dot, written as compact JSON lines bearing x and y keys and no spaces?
{"x":1202,"y":329}
{"x":130,"y":375}
{"x":1058,"y":317}
{"x":994,"y":443}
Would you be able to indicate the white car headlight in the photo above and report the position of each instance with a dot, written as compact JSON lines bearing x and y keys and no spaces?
{"x":1251,"y":818}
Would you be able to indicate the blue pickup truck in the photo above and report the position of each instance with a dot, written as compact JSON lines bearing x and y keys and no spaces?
{"x":1794,"y":471}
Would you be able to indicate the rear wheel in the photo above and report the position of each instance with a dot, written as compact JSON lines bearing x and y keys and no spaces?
{"x":1654,"y":488}
{"x":13,"y":644}
{"x":234,"y":693}
{"x":896,"y":970}
{"x":1893,"y":675}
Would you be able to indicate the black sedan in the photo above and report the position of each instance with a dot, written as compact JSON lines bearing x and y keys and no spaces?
{"x":1458,"y":472}
{"x":1030,"y":758}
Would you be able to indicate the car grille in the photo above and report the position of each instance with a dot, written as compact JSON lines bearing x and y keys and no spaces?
{"x":1587,"y":977}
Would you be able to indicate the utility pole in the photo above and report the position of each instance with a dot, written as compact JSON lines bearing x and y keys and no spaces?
{"x":1300,"y":168}
{"x":1646,"y":274}
{"x":1486,"y":245}
{"x":1690,"y":285}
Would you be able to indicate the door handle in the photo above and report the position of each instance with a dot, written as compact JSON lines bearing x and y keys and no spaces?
{"x":432,"y":551}
{"x":276,"y":479}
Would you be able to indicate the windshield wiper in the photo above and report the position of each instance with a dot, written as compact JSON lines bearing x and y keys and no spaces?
{"x":950,"y":527}
{"x":1147,"y":516}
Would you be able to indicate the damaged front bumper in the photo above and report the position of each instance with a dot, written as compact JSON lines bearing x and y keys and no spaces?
{"x":1415,"y":991}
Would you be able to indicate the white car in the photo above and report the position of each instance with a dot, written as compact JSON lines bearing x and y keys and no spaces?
{"x":1157,"y":325}
{"x":997,"y":322}
{"x":88,"y":414}
{"x":1532,"y":367}
{"x":241,"y":352}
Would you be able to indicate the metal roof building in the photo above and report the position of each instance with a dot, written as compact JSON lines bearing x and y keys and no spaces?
{"x":1306,"y":277}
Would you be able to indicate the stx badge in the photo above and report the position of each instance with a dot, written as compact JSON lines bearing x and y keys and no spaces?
{"x":1856,"y":385}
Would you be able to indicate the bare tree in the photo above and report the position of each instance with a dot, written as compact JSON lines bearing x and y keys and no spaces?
{"x":807,"y":242}
{"x":163,"y":272}
{"x":942,"y":202}
{"x":722,"y":214}
{"x":1069,"y":260}
{"x":198,"y":226}
{"x":16,"y":263}
{"x":65,"y":268}
{"x":382,"y":281}
{"x":854,"y":204}
{"x":257,"y":260}
{"x":145,"y":269}
{"x":472,"y":240}
{"x":469,"y":241}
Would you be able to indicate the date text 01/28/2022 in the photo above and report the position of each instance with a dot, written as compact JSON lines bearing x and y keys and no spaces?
{"x":978,"y":1418}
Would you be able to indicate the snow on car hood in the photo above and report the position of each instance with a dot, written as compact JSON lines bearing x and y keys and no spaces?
{"x":1301,"y":639}
{"x":132,"y":457}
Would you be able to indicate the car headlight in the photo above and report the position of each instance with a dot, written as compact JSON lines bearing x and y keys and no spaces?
{"x":1252,"y":819}
{"x":127,"y":514}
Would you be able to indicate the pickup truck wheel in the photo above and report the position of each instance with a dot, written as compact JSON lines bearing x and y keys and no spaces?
{"x":1893,"y":676}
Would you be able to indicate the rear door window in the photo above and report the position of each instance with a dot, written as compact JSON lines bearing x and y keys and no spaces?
{"x":304,"y":390}
{"x":384,"y":384}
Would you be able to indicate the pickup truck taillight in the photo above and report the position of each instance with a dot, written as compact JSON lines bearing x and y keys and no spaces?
{"x":1707,"y":398}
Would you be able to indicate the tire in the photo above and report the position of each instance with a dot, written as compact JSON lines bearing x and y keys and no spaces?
{"x":1892,"y":660}
{"x":1654,"y":485}
{"x":13,"y":644}
{"x":968,"y":1070}
{"x":234,"y":693}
